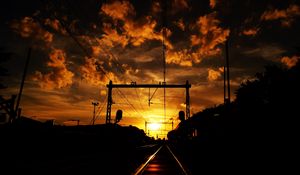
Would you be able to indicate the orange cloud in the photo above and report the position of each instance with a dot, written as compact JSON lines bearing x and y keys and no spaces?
{"x":250,"y":32}
{"x":90,"y":73}
{"x":290,"y":61}
{"x":287,"y":22}
{"x":93,"y":76}
{"x":96,"y":50}
{"x":156,"y":8}
{"x":96,"y":71}
{"x":180,"y":24}
{"x":55,"y":24}
{"x":195,"y":40}
{"x":141,"y":31}
{"x":221,"y":69}
{"x":178,"y":5}
{"x":286,"y":16}
{"x":118,"y":9}
{"x":112,"y":37}
{"x":210,"y":35}
{"x":182,"y":58}
{"x":212,"y":3}
{"x":28,"y":28}
{"x":60,"y":76}
{"x":206,"y":41}
{"x":129,"y":70}
{"x":213,"y":74}
{"x":133,"y":31}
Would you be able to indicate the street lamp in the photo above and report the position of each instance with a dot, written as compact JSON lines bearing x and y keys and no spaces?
{"x":94,"y":114}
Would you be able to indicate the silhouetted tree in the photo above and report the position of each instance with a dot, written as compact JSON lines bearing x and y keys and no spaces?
{"x":265,"y":110}
{"x":270,"y":98}
{"x":4,"y":56}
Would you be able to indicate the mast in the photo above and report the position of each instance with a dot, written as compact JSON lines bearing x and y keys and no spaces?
{"x":164,"y":22}
{"x":227,"y":66}
{"x":22,"y":83}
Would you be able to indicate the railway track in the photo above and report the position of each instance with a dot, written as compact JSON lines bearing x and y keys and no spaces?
{"x":162,"y":162}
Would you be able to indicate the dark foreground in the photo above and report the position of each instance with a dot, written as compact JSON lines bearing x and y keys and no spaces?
{"x":111,"y":149}
{"x":103,"y":149}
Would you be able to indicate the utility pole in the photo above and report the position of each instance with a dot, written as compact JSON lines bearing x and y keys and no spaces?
{"x":109,"y":102}
{"x":164,"y":23}
{"x":146,"y":127}
{"x":226,"y":75}
{"x":227,"y":65}
{"x":22,"y":85}
{"x":94,"y":114}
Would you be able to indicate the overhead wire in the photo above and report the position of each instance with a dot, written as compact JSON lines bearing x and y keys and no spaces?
{"x":122,"y":94}
{"x":115,"y":59}
{"x":138,"y":96}
{"x":100,"y":108}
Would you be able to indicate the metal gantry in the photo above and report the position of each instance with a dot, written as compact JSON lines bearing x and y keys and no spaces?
{"x":110,"y":87}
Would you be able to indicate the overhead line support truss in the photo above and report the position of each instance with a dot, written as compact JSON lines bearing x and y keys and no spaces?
{"x":110,"y":87}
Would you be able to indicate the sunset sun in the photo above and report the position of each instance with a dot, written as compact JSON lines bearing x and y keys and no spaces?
{"x":154,"y":126}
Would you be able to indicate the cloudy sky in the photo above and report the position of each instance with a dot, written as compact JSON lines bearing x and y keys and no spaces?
{"x":78,"y":46}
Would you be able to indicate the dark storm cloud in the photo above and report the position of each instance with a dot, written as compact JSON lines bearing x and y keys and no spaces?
{"x":205,"y":99}
{"x":267,"y":51}
{"x":122,"y":41}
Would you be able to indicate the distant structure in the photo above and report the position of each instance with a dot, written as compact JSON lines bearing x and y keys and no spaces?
{"x":110,"y":87}
{"x":160,"y":123}
{"x":164,"y":34}
{"x":94,"y":113}
{"x":17,"y":109}
{"x":10,"y":107}
{"x":8,"y":113}
{"x":75,"y":120}
{"x":226,"y":75}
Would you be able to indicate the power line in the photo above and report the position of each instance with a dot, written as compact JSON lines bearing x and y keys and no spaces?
{"x":123,"y":95}
{"x":127,"y":102}
{"x":115,"y":60}
{"x":100,"y":110}
{"x":138,"y":96}
{"x":87,"y":53}
{"x":164,"y":24}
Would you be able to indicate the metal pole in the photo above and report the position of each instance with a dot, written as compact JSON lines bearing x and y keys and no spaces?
{"x":164,"y":21}
{"x":94,"y":114}
{"x":11,"y":110}
{"x":224,"y":74}
{"x":109,"y":103}
{"x":146,"y":127}
{"x":23,"y":80}
{"x":227,"y":66}
{"x":187,"y":102}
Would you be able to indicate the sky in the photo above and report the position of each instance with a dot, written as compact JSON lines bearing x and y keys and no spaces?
{"x":78,"y":46}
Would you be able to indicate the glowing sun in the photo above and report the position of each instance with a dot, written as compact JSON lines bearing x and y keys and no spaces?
{"x":154,"y":126}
